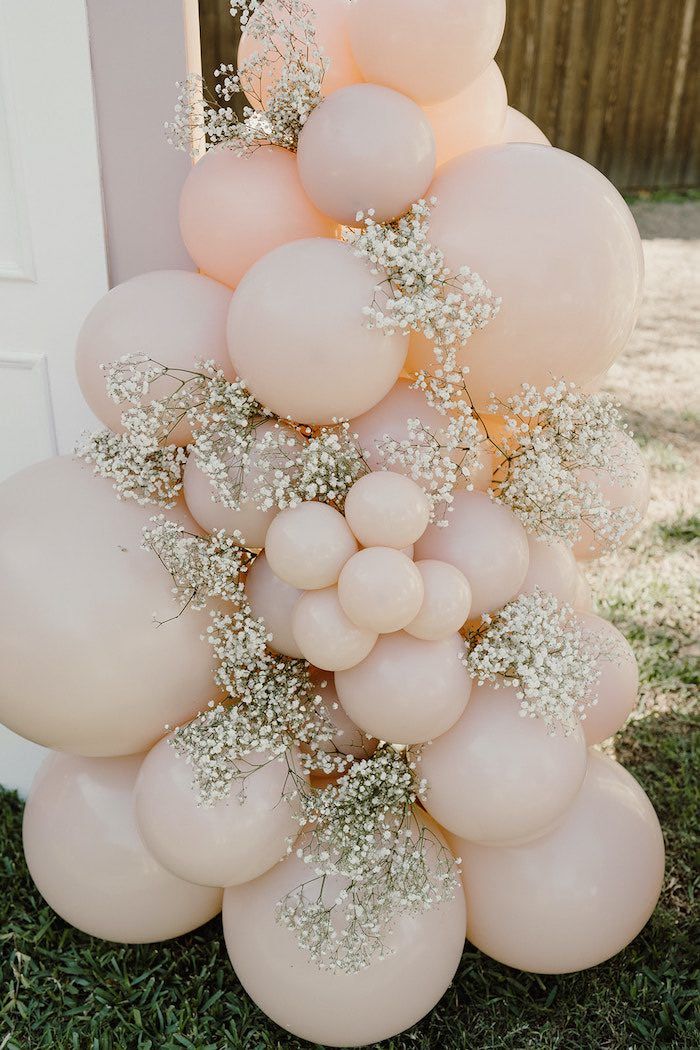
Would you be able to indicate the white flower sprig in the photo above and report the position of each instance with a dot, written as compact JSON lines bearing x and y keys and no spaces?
{"x":323,"y":467}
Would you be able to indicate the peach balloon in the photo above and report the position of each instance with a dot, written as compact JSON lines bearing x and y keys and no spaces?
{"x":487,"y":543}
{"x":348,"y":738}
{"x":233,"y":841}
{"x":447,"y":599}
{"x":578,"y":895}
{"x":472,"y":119}
{"x":235,"y":209}
{"x":626,"y":484}
{"x":498,"y":778}
{"x":339,"y":1009}
{"x":172,"y":316}
{"x":273,"y":600}
{"x":407,"y":690}
{"x":308,"y":545}
{"x":325,"y":635}
{"x":367,"y":147}
{"x":297,"y":333}
{"x":616,"y":689}
{"x":428,"y":55}
{"x":83,"y":667}
{"x":506,"y":211}
{"x":384,"y":509}
{"x":519,"y":128}
{"x":551,"y":567}
{"x":380,"y":589}
{"x":85,"y":855}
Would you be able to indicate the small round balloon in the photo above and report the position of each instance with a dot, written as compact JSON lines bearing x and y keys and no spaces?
{"x":472,"y":119}
{"x":519,"y":128}
{"x":551,"y":567}
{"x":297,"y":334}
{"x":326,"y":636}
{"x":273,"y":600}
{"x":235,"y":209}
{"x":447,"y":600}
{"x":625,"y":484}
{"x":308,"y":545}
{"x":84,"y":853}
{"x":367,"y":147}
{"x":576,"y":896}
{"x":380,"y":588}
{"x":616,"y":689}
{"x":385,"y":509}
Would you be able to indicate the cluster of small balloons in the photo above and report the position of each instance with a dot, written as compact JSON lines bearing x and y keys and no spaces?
{"x":562,"y":852}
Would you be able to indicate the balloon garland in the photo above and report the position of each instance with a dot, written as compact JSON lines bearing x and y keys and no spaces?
{"x":374,"y":490}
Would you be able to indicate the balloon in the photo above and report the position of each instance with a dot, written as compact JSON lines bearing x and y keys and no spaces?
{"x":173,"y":316}
{"x":297,"y":333}
{"x":384,"y":509}
{"x":519,"y":128}
{"x":472,"y":119}
{"x":390,"y":419}
{"x":626,"y":484}
{"x":85,"y":855}
{"x":325,"y":635}
{"x":235,"y":209}
{"x":366,"y":147}
{"x":574,"y":897}
{"x":616,"y":690}
{"x":506,"y":211}
{"x":231,"y":842}
{"x":446,"y":602}
{"x":407,"y":690}
{"x":339,"y":1009}
{"x":552,"y":568}
{"x":380,"y":589}
{"x":486,"y":542}
{"x":348,"y":738}
{"x":329,"y":20}
{"x":497,"y":778}
{"x":308,"y":545}
{"x":273,"y":600}
{"x":83,"y":667}
{"x":428,"y":55}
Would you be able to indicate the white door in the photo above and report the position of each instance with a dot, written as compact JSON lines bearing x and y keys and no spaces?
{"x":52,"y":247}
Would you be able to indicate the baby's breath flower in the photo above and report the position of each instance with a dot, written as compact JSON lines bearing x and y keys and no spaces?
{"x":323,"y":467}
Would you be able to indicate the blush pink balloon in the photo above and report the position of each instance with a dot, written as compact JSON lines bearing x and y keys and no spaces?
{"x":626,"y":484}
{"x":341,"y":1009}
{"x":235,"y":209}
{"x":498,"y":778}
{"x":325,"y":635}
{"x":297,"y":334}
{"x":85,"y":855}
{"x":506,"y":211}
{"x":367,"y":147}
{"x":233,"y":841}
{"x":551,"y":567}
{"x":447,"y":599}
{"x":273,"y":600}
{"x":471,"y":119}
{"x":172,"y":316}
{"x":384,"y":509}
{"x":79,"y":589}
{"x":616,"y":689}
{"x":348,"y":738}
{"x":380,"y":589}
{"x":487,"y":543}
{"x":578,"y":895}
{"x":308,"y":545}
{"x":407,"y":690}
{"x":519,"y":128}
{"x":429,"y":56}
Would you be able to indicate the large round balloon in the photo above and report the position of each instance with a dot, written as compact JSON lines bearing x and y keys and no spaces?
{"x":428,"y":53}
{"x":553,"y":238}
{"x":472,"y":119}
{"x":173,"y":316}
{"x":551,"y":567}
{"x":84,"y":853}
{"x":366,"y":147}
{"x":83,"y":666}
{"x":233,"y":841}
{"x":235,"y":209}
{"x":576,"y":896}
{"x":616,"y":689}
{"x":273,"y":600}
{"x":625,"y":484}
{"x":339,"y":1009}
{"x":487,"y":543}
{"x":298,"y":338}
{"x":519,"y":128}
{"x":498,"y":778}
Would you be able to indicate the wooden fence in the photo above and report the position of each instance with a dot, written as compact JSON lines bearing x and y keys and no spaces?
{"x":615,"y":81}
